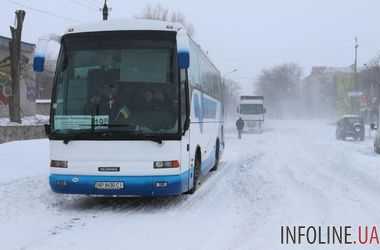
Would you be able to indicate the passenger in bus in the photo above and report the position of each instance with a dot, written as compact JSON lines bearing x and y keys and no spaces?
{"x":152,"y":101}
{"x":97,"y":104}
{"x":107,"y":100}
{"x":148,"y":99}
{"x":154,"y":112}
{"x":159,"y":97}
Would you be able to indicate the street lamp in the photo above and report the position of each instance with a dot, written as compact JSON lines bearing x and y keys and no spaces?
{"x":224,"y":80}
{"x":224,"y":87}
{"x":355,"y":104}
{"x":228,"y":73}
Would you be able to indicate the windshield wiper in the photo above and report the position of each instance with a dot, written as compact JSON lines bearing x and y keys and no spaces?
{"x":149,"y":137}
{"x":157,"y":140}
{"x":83,"y":134}
{"x":119,"y":126}
{"x":104,"y":131}
{"x":137,"y":132}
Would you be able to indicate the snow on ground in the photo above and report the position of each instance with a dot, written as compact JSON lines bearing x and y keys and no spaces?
{"x":23,"y":159}
{"x":26,"y":121}
{"x":295,"y":173}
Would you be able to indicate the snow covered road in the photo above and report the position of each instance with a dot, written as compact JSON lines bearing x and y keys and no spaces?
{"x":295,"y":173}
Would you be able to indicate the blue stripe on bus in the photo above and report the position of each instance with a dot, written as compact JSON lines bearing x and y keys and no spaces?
{"x":133,"y":185}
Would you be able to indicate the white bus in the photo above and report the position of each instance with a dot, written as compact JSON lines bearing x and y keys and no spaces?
{"x":251,"y":109}
{"x":136,"y":111}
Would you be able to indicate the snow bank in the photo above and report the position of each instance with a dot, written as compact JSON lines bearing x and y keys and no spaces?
{"x":26,"y":121}
{"x":23,"y":159}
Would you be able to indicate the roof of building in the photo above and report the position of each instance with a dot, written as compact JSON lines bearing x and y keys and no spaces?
{"x":32,"y":45}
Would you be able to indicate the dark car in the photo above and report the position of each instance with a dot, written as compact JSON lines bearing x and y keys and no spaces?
{"x":350,"y":126}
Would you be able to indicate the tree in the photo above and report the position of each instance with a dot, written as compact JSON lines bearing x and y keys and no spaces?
{"x":280,"y":86}
{"x":15,"y":55}
{"x":158,"y":12}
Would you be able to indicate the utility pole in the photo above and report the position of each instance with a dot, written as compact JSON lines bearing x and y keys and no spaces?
{"x":355,"y":104}
{"x":15,"y":55}
{"x":356,"y":55}
{"x":105,"y":11}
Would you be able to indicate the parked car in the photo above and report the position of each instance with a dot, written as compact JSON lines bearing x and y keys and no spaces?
{"x":350,"y":126}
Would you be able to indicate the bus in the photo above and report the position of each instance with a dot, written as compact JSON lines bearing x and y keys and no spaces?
{"x":251,"y":109}
{"x":136,"y":110}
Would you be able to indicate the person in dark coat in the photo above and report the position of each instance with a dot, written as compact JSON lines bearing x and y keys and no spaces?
{"x":240,"y":126}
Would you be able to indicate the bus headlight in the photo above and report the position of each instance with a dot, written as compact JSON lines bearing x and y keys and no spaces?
{"x":58,"y":164}
{"x":165,"y":164}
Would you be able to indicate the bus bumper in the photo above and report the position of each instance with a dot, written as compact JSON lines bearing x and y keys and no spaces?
{"x":133,"y":185}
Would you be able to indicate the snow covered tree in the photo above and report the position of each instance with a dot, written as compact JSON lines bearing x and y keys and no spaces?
{"x":158,"y":12}
{"x":280,"y":86}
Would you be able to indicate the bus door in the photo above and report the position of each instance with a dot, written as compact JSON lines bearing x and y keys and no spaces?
{"x":185,"y":125}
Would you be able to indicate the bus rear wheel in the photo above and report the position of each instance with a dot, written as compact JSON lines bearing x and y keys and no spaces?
{"x":197,"y":175}
{"x":217,"y":156}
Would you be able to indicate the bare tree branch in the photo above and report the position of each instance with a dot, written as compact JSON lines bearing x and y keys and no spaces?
{"x":158,"y":12}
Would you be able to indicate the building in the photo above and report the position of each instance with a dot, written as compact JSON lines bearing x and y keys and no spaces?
{"x":28,"y":89}
{"x":322,"y":91}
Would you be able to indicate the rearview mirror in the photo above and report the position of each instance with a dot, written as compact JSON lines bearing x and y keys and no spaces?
{"x":39,"y":64}
{"x":183,"y":59}
{"x":41,"y":51}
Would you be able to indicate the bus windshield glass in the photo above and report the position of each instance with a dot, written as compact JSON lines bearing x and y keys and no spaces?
{"x":122,"y":82}
{"x":251,"y":109}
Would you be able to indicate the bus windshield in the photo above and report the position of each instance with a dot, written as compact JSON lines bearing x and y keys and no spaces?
{"x":117,"y":82}
{"x":251,"y":109}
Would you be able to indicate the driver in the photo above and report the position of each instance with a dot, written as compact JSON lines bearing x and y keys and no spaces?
{"x":108,"y":101}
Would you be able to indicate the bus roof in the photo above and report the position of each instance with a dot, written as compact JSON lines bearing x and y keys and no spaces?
{"x":134,"y":25}
{"x":125,"y":25}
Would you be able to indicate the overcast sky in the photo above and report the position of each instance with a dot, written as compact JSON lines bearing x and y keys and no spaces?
{"x":245,"y":34}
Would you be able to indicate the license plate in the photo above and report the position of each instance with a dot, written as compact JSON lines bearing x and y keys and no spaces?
{"x":109,"y":185}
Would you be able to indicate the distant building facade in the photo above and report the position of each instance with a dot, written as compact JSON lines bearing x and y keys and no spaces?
{"x":28,"y":88}
{"x":322,"y":91}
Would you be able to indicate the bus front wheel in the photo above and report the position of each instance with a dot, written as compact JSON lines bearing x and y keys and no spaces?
{"x":197,"y":175}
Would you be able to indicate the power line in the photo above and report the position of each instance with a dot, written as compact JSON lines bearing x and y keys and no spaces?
{"x":45,"y":12}
{"x":93,"y":1}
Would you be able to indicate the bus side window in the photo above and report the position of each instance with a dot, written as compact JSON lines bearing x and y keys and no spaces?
{"x":197,"y":107}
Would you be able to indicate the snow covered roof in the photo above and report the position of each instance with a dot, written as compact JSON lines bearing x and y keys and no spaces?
{"x":4,"y":44}
{"x":7,"y":39}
